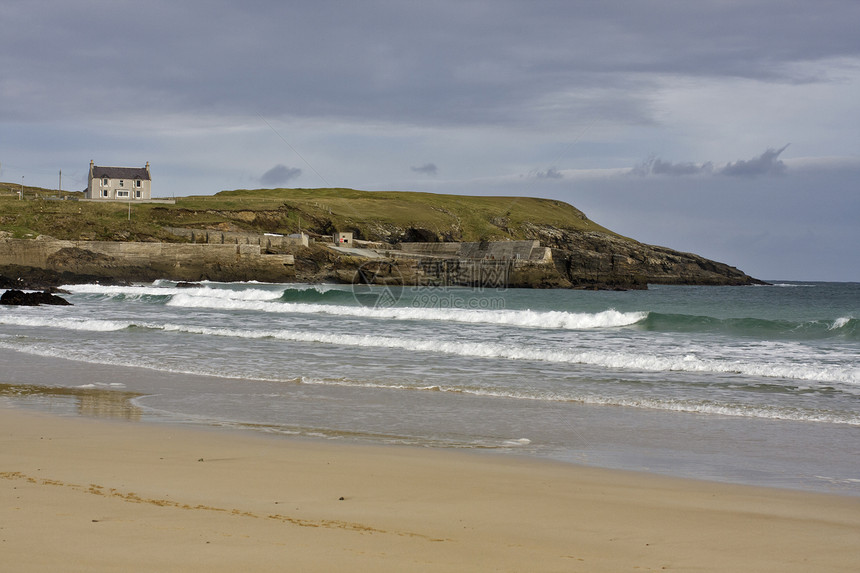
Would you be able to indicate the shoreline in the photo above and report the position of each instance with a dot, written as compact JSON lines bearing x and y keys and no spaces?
{"x":100,"y":495}
{"x":90,"y":390}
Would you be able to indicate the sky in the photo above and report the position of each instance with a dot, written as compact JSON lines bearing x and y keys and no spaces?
{"x":726,"y":128}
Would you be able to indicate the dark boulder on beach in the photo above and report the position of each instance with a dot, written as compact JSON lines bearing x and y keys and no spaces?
{"x":21,"y":298}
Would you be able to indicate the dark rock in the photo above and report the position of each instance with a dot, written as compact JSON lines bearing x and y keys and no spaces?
{"x":32,"y":278}
{"x":418,"y":235}
{"x":184,"y":284}
{"x":21,"y":298}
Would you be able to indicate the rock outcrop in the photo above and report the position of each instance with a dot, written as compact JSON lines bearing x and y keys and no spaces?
{"x":21,"y":298}
{"x":594,"y":260}
{"x":580,"y":260}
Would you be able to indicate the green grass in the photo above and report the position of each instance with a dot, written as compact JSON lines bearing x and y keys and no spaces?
{"x":41,"y":214}
{"x":371,"y":214}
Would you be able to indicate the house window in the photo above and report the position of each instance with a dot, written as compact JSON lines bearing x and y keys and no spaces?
{"x":104,"y":192}
{"x":137,"y":193}
{"x":137,"y":183}
{"x":121,"y":183}
{"x":122,"y":193}
{"x":104,"y":181}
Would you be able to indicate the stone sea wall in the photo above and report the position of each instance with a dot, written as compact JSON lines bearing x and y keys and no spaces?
{"x":486,"y":250}
{"x":147,"y":261}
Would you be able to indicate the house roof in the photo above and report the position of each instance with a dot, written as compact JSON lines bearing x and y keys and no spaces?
{"x":120,"y":172}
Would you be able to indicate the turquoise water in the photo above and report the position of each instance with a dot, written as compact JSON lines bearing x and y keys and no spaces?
{"x":750,"y":384}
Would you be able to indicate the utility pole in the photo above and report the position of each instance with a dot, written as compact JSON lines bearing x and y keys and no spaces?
{"x":21,"y":196}
{"x":60,"y":187}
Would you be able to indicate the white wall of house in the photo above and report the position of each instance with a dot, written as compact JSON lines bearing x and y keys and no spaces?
{"x":121,"y":188}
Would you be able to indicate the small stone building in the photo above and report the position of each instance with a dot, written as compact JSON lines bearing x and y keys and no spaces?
{"x":342,"y":239}
{"x":119,"y":183}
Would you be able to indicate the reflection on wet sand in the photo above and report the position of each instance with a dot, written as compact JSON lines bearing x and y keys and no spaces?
{"x":93,"y":402}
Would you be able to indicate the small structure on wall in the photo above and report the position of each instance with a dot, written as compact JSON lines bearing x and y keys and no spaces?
{"x":119,"y":183}
{"x":302,"y":238}
{"x":342,"y":239}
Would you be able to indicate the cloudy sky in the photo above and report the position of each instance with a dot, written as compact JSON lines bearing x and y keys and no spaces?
{"x":726,"y":128}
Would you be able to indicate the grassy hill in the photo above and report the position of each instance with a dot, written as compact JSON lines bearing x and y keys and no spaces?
{"x":382,"y":216}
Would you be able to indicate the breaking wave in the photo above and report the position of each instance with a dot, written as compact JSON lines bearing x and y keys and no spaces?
{"x":618,"y":360}
{"x":631,"y":360}
{"x":163,"y":292}
{"x":339,"y":301}
{"x":847,"y":326}
{"x":322,"y":299}
{"x":86,"y":324}
{"x":521,"y":318}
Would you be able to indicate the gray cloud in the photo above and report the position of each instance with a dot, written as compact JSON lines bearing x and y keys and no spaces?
{"x":426,"y":169}
{"x":768,"y":163}
{"x":505,"y":63}
{"x":279,"y":174}
{"x":657,"y":166}
{"x":550,"y":173}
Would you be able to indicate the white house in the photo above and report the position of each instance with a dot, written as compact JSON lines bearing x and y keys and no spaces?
{"x":119,"y":183}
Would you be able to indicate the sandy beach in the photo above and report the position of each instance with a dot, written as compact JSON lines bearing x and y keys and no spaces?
{"x":78,"y":494}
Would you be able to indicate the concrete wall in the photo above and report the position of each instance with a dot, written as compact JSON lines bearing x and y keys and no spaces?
{"x":489,"y":250}
{"x":29,"y":253}
{"x":94,"y":256}
{"x":443,"y":250}
{"x":465,"y":272}
{"x":264,"y":241}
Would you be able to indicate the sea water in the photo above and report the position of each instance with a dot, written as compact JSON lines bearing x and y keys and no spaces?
{"x":756,"y":384}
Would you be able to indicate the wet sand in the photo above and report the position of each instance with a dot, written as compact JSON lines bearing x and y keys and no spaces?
{"x":79,"y":494}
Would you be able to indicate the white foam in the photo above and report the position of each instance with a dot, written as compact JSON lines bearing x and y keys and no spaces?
{"x":112,"y":385}
{"x":70,"y":353}
{"x":521,"y":318}
{"x":733,"y":410}
{"x":86,"y":324}
{"x":683,"y":406}
{"x":614,"y":359}
{"x":809,"y":370}
{"x":204,"y":292}
{"x":261,"y":300}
